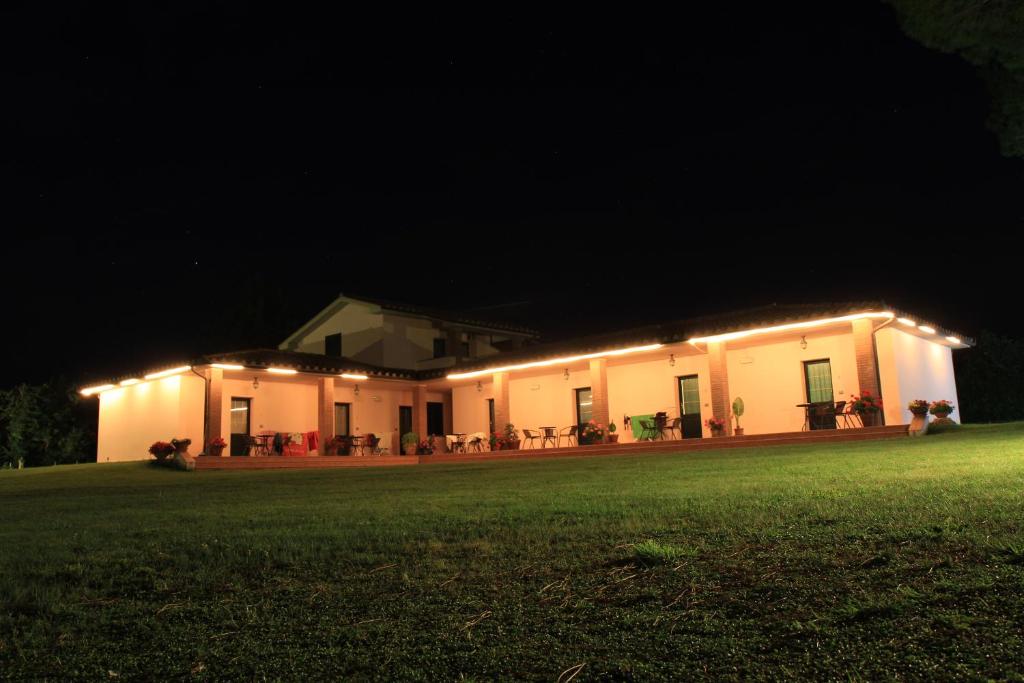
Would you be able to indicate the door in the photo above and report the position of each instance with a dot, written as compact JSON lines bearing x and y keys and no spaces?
{"x":342,"y":418}
{"x":818,"y":383}
{"x":435,"y":419}
{"x":405,"y":421}
{"x":689,"y":407}
{"x":490,"y":415}
{"x":584,"y":406}
{"x":240,"y":423}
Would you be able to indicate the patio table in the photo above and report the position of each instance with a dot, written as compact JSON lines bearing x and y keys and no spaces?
{"x":549,"y":434}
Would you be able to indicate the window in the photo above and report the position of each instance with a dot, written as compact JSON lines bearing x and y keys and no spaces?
{"x":584,"y":405}
{"x":490,"y":414}
{"x":439,"y":348}
{"x":465,"y":349}
{"x":342,"y":414}
{"x":332,"y":344}
{"x":818,"y":377}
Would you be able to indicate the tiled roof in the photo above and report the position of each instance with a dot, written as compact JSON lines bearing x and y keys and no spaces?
{"x":441,"y":314}
{"x":307,"y":362}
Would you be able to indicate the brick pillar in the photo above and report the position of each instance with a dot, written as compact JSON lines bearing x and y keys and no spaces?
{"x":214,"y":407}
{"x":325,"y":412}
{"x":599,"y":391}
{"x":502,"y":411}
{"x":419,"y":410}
{"x":721,"y":405}
{"x":867,"y":360}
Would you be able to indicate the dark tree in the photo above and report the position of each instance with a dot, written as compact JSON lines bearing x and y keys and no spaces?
{"x":45,"y":424}
{"x":989,"y":379}
{"x":990,"y":35}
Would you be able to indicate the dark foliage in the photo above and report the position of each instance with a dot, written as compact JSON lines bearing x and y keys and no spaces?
{"x":45,"y":424}
{"x":989,"y":379}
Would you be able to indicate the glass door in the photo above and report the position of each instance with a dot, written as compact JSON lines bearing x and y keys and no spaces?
{"x":689,"y":407}
{"x":584,"y":406}
{"x":818,"y":383}
{"x":240,"y":424}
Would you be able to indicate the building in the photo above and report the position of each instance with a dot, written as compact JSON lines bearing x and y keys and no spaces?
{"x":364,"y":366}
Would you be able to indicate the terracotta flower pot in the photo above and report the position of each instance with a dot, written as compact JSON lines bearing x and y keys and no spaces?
{"x":868,"y":418}
{"x":738,"y":431}
{"x":410,"y":448}
{"x":613,"y":438}
{"x":715,"y":433}
{"x":217,"y":451}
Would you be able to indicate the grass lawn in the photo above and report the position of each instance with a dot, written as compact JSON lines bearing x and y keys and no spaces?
{"x":865,"y":560}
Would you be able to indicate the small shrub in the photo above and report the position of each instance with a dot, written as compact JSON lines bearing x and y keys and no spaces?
{"x":651,"y":552}
{"x":943,"y":425}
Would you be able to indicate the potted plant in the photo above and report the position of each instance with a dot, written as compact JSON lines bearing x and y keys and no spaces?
{"x":716,"y":425}
{"x":425,"y":447}
{"x":410,"y":442}
{"x":737,"y":412}
{"x":941,"y":409}
{"x":161,"y":449}
{"x":612,"y":436}
{"x":866,"y":406}
{"x":918,"y":406}
{"x":216,"y":447}
{"x":511,"y":438}
{"x":593,"y":432}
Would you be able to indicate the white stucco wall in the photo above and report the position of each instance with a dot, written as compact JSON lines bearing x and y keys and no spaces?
{"x":910,"y":368}
{"x":770,"y":379}
{"x":132,"y":418}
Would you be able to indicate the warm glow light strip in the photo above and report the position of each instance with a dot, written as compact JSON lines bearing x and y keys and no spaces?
{"x":926,"y":329}
{"x":168,"y":373}
{"x":356,"y":377}
{"x":129,"y":382}
{"x":283,"y":371}
{"x":952,"y":340}
{"x":89,"y":391}
{"x":906,"y":321}
{"x":791,"y":326}
{"x":554,"y":361}
{"x":227,"y":366}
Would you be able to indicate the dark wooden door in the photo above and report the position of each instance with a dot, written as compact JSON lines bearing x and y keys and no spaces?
{"x":241,"y":413}
{"x":689,"y":407}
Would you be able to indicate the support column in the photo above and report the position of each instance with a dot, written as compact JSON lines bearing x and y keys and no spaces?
{"x":867,"y":360}
{"x":325,"y":412}
{"x":721,"y":405}
{"x":867,"y":363}
{"x":214,"y":407}
{"x":502,"y":414}
{"x":419,"y":410}
{"x":599,"y":391}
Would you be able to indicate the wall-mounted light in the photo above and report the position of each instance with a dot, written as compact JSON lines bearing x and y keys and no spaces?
{"x":554,"y":361}
{"x":227,"y":366}
{"x":128,"y":382}
{"x":479,"y":385}
{"x":565,"y":375}
{"x":358,"y":378}
{"x":953,"y":340}
{"x":282,"y":371}
{"x":672,"y":359}
{"x":255,"y":382}
{"x":357,"y":390}
{"x":926,"y":329}
{"x":803,"y":342}
{"x":906,"y":321}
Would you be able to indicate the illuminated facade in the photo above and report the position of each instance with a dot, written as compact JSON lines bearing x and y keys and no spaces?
{"x":776,"y":359}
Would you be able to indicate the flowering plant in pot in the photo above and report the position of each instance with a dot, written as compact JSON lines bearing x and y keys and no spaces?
{"x":510,"y":438}
{"x":216,"y":446}
{"x":941,"y":409}
{"x":410,"y":443}
{"x":612,"y":436}
{"x":593,"y":432}
{"x":161,"y":449}
{"x":866,"y":406}
{"x":425,"y":447}
{"x":716,"y":425}
{"x":918,"y":406}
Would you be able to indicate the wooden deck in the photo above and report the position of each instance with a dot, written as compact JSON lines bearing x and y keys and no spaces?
{"x":642,"y":448}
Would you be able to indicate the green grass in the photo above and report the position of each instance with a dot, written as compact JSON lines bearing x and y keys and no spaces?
{"x":893,"y":559}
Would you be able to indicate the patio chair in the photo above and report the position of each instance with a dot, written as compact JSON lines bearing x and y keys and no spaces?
{"x":344,"y":445}
{"x":529,"y":436}
{"x":477,"y":443}
{"x":823,"y":416}
{"x":673,"y":427}
{"x":550,"y":434}
{"x":569,"y":434}
{"x":373,"y":443}
{"x":458,"y":443}
{"x":842,"y":414}
{"x":647,"y":430}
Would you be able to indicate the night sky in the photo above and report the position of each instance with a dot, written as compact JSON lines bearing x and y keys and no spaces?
{"x":198,"y":181}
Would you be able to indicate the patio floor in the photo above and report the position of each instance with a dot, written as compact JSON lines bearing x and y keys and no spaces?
{"x":641,"y":448}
